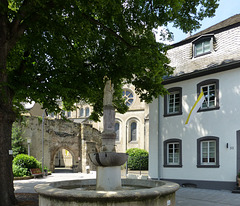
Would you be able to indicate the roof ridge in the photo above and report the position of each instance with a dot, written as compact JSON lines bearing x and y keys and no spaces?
{"x":222,"y":24}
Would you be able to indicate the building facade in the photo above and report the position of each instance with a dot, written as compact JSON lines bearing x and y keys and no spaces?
{"x":132,"y":127}
{"x":206,"y":153}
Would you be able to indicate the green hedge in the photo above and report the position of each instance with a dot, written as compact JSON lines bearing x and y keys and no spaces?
{"x":22,"y":164}
{"x":138,"y":159}
{"x":20,"y":171}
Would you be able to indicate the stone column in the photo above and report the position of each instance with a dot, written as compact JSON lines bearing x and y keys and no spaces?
{"x":108,"y":135}
{"x":108,"y":162}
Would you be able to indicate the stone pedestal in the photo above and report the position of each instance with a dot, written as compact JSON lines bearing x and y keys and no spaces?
{"x":108,"y":178}
{"x":108,"y":135}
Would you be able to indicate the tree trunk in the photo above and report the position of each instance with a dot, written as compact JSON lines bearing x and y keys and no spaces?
{"x":7,"y":196}
{"x":7,"y":117}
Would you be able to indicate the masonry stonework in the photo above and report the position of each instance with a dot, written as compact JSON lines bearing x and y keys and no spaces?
{"x":78,"y":139}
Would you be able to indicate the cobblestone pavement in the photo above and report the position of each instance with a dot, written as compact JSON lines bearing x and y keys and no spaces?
{"x":205,"y":197}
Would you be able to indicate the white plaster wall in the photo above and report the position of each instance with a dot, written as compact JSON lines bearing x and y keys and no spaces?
{"x":153,"y":139}
{"x":222,"y":123}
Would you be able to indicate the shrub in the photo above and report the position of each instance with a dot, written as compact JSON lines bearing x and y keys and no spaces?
{"x":19,"y":171}
{"x":26,"y":161}
{"x":138,"y":159}
{"x":22,"y":164}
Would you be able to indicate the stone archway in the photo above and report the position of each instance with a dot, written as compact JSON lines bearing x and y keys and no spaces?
{"x":79,"y":139}
{"x":74,"y":164}
{"x":63,"y":160}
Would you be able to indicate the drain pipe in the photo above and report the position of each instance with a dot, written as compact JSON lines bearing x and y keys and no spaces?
{"x":43,"y":141}
{"x":159,"y":139}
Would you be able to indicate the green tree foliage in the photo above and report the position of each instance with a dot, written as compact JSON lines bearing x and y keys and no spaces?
{"x":17,"y":140}
{"x":53,"y":49}
{"x":138,"y":159}
{"x":66,"y":49}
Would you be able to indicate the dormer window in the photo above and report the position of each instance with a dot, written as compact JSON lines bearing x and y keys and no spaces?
{"x":203,"y":45}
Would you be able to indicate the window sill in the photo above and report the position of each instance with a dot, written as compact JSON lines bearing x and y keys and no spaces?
{"x":173,"y":114}
{"x":206,"y":53}
{"x":133,"y":142}
{"x":209,"y":109}
{"x":177,"y":166}
{"x":208,"y":166}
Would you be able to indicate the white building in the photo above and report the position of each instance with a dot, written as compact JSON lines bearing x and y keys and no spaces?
{"x":205,"y":154}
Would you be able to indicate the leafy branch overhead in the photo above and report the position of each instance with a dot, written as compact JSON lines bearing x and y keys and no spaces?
{"x":63,"y":49}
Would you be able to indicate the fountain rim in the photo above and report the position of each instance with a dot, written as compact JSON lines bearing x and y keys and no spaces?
{"x":156,"y":188}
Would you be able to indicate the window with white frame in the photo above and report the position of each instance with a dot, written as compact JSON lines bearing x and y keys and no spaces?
{"x":210,"y":89}
{"x":117,"y":126}
{"x":173,"y":153}
{"x":173,"y":102}
{"x":203,"y":45}
{"x":210,"y":96}
{"x":208,"y":151}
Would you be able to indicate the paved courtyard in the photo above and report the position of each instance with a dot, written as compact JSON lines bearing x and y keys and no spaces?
{"x":204,"y":197}
{"x":184,"y":196}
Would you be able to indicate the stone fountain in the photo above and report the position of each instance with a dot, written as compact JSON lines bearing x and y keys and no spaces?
{"x":108,"y":189}
{"x":108,"y":162}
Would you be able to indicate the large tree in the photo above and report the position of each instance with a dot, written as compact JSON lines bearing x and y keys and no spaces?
{"x":52,"y":49}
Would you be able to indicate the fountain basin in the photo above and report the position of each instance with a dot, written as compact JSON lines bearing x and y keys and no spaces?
{"x":106,"y":159}
{"x":134,"y":192}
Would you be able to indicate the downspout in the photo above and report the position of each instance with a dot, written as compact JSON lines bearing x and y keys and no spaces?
{"x":159,"y":139}
{"x":126,"y":137}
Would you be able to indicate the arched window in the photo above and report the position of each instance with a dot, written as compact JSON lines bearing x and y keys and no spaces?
{"x":87,"y":111}
{"x":69,"y":114}
{"x":128,"y":96}
{"x":81,"y":112}
{"x":133,"y":134}
{"x":117,"y":126}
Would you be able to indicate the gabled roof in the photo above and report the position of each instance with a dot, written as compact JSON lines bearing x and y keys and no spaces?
{"x":219,"y":26}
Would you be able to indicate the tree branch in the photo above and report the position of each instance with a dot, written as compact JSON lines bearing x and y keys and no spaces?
{"x":28,"y":10}
{"x":94,"y":21}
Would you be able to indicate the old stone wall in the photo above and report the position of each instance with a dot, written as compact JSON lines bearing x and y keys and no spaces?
{"x":78,"y":139}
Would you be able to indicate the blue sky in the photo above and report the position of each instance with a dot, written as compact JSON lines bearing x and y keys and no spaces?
{"x":226,"y":9}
